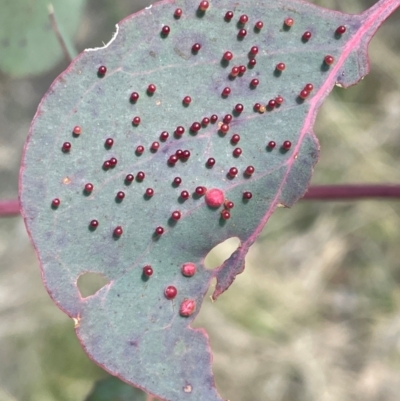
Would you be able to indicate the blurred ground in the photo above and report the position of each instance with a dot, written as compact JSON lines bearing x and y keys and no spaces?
{"x":316,"y":314}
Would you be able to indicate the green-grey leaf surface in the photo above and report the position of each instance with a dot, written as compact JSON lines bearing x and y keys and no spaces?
{"x":129,"y":327}
{"x":28,"y":44}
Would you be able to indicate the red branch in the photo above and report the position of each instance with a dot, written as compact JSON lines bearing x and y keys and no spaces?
{"x":353,"y":192}
{"x":9,"y":208}
{"x":316,"y":193}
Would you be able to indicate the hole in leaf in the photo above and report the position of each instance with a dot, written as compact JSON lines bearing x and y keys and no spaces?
{"x":221,"y":252}
{"x":89,"y":283}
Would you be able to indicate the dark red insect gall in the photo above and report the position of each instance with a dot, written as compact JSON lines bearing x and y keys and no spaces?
{"x":165,"y":30}
{"x":243,"y":19}
{"x":120,"y":195}
{"x":237,"y":152}
{"x":179,"y":131}
{"x":228,"y":56}
{"x":289,"y":22}
{"x":234,"y":71}
{"x":254,"y":50}
{"x":89,"y":187}
{"x":239,"y":108}
{"x":134,"y":97}
{"x":224,"y":128}
{"x":235,"y":139}
{"x":185,"y":195}
{"x":159,"y":230}
{"x":155,"y":146}
{"x":55,"y":202}
{"x":196,"y":47}
{"x":304,"y":94}
{"x":176,"y":215}
{"x":151,"y":88}
{"x":228,"y":118}
{"x":177,"y":181}
{"x":229,"y":15}
{"x":309,"y":87}
{"x":233,"y":171}
{"x":203,"y":6}
{"x":140,"y":176}
{"x":340,"y":30}
{"x":164,"y":136}
{"x":286,"y":145}
{"x":226,"y":91}
{"x":210,"y":162}
{"x":225,"y":214}
{"x":247,"y":195}
{"x":173,"y":159}
{"x":170,"y":292}
{"x":102,"y":70}
{"x":195,"y":127}
{"x":66,"y":147}
{"x":254,"y":82}
{"x":147,"y":270}
{"x":280,"y":66}
{"x":257,"y":107}
{"x":229,"y":204}
{"x":118,"y":231}
{"x":249,"y":170}
{"x":252,"y":62}
{"x":200,"y":190}
{"x":109,"y":142}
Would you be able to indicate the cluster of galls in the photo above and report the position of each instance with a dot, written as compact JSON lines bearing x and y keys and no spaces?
{"x":224,"y":126}
{"x":228,"y":56}
{"x":188,"y":306}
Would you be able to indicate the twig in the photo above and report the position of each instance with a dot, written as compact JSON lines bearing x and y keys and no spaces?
{"x":67,"y":53}
{"x":352,"y":192}
{"x":9,"y":208}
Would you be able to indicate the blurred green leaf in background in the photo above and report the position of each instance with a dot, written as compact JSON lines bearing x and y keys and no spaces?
{"x":113,"y":389}
{"x":28,"y":44}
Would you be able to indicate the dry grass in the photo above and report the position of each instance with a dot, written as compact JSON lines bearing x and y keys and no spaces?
{"x":316,"y":314}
